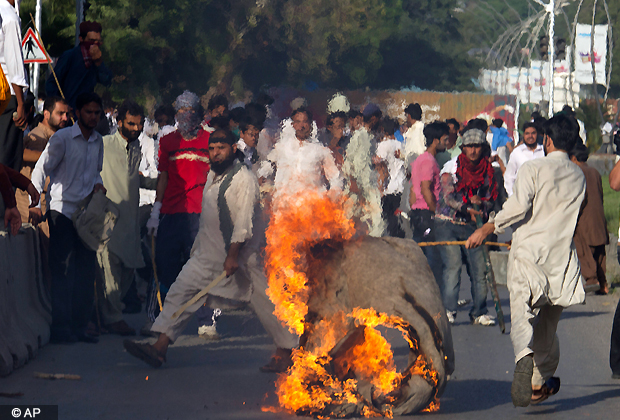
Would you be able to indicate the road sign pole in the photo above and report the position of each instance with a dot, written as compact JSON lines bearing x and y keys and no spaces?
{"x":37,"y":66}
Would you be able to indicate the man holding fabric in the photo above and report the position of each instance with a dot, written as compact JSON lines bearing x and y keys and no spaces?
{"x":230,"y":238}
{"x":544,"y":275}
{"x":122,"y":254}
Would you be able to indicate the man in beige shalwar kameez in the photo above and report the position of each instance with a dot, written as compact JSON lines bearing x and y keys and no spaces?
{"x":230,"y":239}
{"x":118,"y":259}
{"x":543,"y":269}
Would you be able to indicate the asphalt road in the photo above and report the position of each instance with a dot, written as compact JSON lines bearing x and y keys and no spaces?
{"x":220,"y":380}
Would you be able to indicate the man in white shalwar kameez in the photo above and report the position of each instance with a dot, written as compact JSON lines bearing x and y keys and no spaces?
{"x":544,"y":275}
{"x":230,"y":236}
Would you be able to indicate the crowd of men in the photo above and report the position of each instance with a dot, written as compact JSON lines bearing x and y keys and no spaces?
{"x":178,"y":202}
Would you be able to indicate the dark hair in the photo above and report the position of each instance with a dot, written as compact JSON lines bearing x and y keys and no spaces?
{"x":167,"y":110}
{"x":568,"y":111}
{"x":304,"y":110}
{"x":246,"y":122}
{"x":338,"y":114}
{"x":264,"y":100}
{"x":435,"y":130}
{"x":222,"y":136}
{"x":498,"y":122}
{"x":85,"y":98}
{"x":535,"y":115}
{"x":377,"y":113}
{"x":414,"y":111}
{"x":477,"y":123}
{"x":529,"y":124}
{"x":217,"y":101}
{"x":237,"y":114}
{"x":563,"y":131}
{"x":580,"y":151}
{"x":389,"y":126}
{"x":486,"y":150}
{"x":222,"y":122}
{"x":256,"y":112}
{"x":129,"y":107}
{"x":454,"y":122}
{"x":354,"y":113}
{"x":88,"y":26}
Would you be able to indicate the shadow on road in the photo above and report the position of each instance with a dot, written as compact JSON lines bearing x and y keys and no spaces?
{"x":474,"y":395}
{"x":575,"y":314}
{"x":573,"y":403}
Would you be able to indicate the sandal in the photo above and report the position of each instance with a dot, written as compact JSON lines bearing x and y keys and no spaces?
{"x":551,"y":387}
{"x":144,"y":352}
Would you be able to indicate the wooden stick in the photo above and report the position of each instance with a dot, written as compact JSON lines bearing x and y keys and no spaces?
{"x":199,"y":295}
{"x":161,"y":308}
{"x":49,"y":63}
{"x":40,"y":375}
{"x":461,"y":243}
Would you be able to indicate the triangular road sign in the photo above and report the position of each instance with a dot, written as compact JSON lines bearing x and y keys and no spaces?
{"x":32,"y":49}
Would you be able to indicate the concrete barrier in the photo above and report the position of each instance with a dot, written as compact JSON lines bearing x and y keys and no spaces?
{"x":25,"y":308}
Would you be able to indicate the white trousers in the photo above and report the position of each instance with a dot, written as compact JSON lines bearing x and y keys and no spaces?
{"x":533,"y":331}
{"x":194,"y":277}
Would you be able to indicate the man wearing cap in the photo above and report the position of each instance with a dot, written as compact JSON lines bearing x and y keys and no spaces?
{"x":544,"y":275}
{"x":230,"y":238}
{"x":470,"y":191}
{"x":183,"y":169}
{"x":79,"y":69}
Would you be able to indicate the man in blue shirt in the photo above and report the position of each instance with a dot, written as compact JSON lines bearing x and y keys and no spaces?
{"x":80,"y":68}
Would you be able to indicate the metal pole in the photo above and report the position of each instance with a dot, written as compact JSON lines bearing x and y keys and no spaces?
{"x":37,"y":66}
{"x":79,"y":16}
{"x":551,"y":10}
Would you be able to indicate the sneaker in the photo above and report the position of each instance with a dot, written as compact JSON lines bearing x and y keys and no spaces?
{"x":463,"y":302}
{"x":451,"y":316}
{"x":486,"y":320}
{"x":208,"y":332}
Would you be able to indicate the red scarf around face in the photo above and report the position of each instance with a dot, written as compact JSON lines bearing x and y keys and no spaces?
{"x":470,"y":177}
{"x":85,"y":48}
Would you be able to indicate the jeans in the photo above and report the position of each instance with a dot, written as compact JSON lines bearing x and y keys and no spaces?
{"x":389,"y":205}
{"x":423,"y":227}
{"x":73,"y":268}
{"x":452,"y":264}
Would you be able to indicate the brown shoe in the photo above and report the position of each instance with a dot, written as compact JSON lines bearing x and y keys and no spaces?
{"x":280,"y":361}
{"x":120,"y":328}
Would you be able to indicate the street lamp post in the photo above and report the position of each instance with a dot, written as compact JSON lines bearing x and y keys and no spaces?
{"x":551,"y":10}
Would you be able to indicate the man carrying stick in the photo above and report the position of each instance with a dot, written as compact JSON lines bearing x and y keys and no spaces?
{"x":229,"y":238}
{"x":543,"y":269}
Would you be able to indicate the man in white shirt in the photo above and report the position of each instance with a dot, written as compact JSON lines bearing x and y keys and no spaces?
{"x":543,"y":268}
{"x":414,"y":136}
{"x":530,"y":149}
{"x":73,"y":159}
{"x":12,"y":62}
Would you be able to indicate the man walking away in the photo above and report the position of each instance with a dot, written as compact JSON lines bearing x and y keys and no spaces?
{"x":543,"y":269}
{"x":72,"y":159}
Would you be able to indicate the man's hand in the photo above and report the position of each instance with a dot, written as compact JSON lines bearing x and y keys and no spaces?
{"x":95,"y":54}
{"x":35,"y":216}
{"x":20,"y":118}
{"x":34,"y":195}
{"x":473,"y":213}
{"x":153,"y":223}
{"x":230,"y":265}
{"x":477,"y":238}
{"x":475,"y":200}
{"x":12,"y":220}
{"x":99,"y":187}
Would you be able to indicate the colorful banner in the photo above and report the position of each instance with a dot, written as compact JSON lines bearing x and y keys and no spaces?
{"x":583,"y":56}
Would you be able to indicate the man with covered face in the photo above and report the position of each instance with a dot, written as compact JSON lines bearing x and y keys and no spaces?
{"x":118,"y":259}
{"x":183,"y":169}
{"x":230,"y":238}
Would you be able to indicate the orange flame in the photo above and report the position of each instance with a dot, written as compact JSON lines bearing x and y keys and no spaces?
{"x":311,"y":386}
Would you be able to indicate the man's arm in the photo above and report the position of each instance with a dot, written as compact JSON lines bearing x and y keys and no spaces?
{"x":428,"y":195}
{"x":231,"y":263}
{"x":16,"y":73}
{"x":510,"y":175}
{"x":31,"y":156}
{"x":162,"y":183}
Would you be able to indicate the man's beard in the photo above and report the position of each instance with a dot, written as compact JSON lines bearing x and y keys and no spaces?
{"x":220,"y":167}
{"x":130,"y":135}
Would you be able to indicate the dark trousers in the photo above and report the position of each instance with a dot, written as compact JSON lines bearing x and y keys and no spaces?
{"x":72,"y":266}
{"x":614,"y":353}
{"x":423,"y":227}
{"x":175,"y":237}
{"x":11,"y":138}
{"x":390,"y":203}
